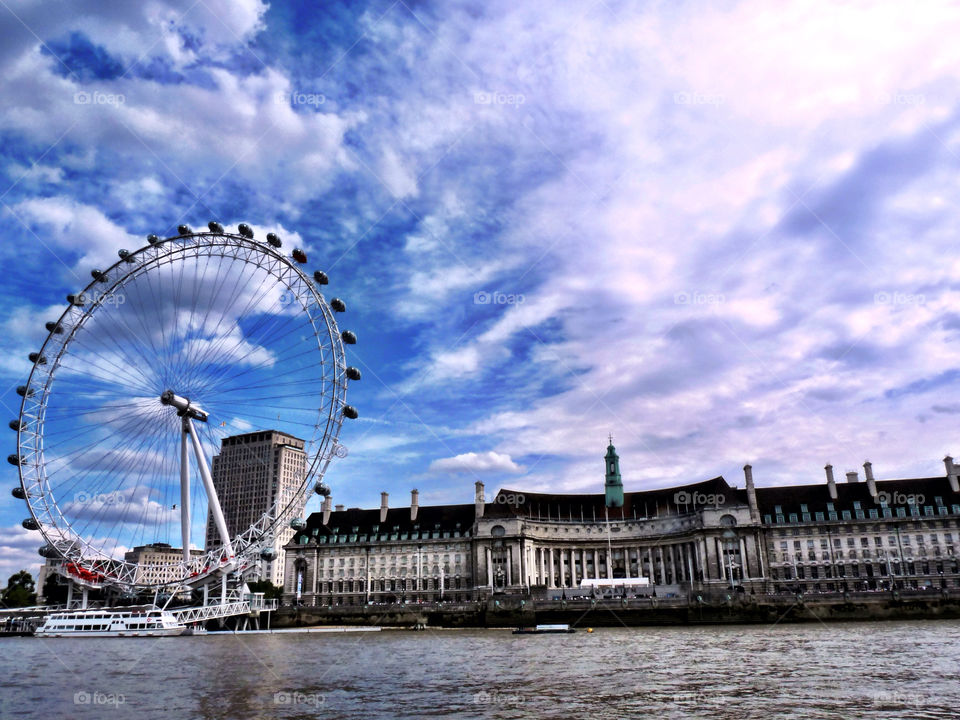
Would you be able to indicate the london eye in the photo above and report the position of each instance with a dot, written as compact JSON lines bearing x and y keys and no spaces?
{"x":177,"y":345}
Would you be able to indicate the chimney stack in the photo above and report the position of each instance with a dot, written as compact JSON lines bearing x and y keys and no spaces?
{"x":414,"y":504}
{"x":478,"y":500}
{"x":751,"y":494}
{"x":327,"y":506}
{"x":951,"y":473}
{"x":852,"y":476}
{"x":871,"y":483}
{"x":831,"y":483}
{"x":339,"y":508}
{"x":384,"y":505}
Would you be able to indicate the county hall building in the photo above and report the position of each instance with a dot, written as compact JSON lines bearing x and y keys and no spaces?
{"x":861,"y":534}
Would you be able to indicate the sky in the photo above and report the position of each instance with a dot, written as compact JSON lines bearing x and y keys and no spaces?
{"x":721,"y":232}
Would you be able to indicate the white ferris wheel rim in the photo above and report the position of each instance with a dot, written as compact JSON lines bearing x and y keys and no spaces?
{"x":87,"y":555}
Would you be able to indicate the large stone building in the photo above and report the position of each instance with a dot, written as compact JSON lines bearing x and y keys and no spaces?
{"x":157,"y":563}
{"x":694,"y":538}
{"x":253,"y":473}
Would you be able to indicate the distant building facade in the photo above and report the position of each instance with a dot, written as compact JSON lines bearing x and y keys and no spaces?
{"x":858,"y":535}
{"x":253,"y":472}
{"x":157,"y":563}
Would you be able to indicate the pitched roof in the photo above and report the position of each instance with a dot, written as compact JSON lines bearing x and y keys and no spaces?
{"x":816,"y":497}
{"x":592,"y":506}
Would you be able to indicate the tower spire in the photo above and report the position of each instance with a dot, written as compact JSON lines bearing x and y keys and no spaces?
{"x":613,"y":486}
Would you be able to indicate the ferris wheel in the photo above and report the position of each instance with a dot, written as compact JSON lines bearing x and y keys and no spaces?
{"x":178,"y":345}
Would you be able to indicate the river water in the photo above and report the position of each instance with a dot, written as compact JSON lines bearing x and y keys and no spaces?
{"x":842,"y":671}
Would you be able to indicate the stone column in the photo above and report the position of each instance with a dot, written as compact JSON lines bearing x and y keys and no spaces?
{"x":509,"y":565}
{"x":761,"y":549}
{"x":690,"y":572}
{"x":745,"y":567}
{"x":718,"y":547}
{"x":702,"y":560}
{"x":489,"y":559}
{"x":550,"y":582}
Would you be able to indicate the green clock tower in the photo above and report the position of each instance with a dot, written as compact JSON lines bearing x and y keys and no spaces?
{"x":613,"y":486}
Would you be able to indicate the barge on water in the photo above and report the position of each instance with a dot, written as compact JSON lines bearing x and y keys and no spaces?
{"x":544,"y":629}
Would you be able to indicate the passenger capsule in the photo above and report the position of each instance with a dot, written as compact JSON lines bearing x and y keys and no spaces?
{"x":274,"y":240}
{"x":300,"y":256}
{"x":24,"y":391}
{"x":353,"y":373}
{"x":183,"y":229}
{"x":215,"y":227}
{"x":18,"y":493}
{"x":14,"y":460}
{"x":322,"y":488}
{"x":48,"y":551}
{"x":351,"y":412}
{"x":153,"y":239}
{"x":16,"y":425}
{"x":125,"y":255}
{"x":245,"y":230}
{"x":98,"y":275}
{"x":348,"y":337}
{"x":338,"y":305}
{"x":54,"y":328}
{"x":268,"y":554}
{"x":76,"y":299}
{"x":320,"y":277}
{"x":30,"y":524}
{"x":298,"y":523}
{"x":37,"y":358}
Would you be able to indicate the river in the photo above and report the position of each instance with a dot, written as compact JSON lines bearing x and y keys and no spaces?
{"x":812,"y":671}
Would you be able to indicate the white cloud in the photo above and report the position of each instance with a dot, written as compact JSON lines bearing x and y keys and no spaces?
{"x":472,"y":462}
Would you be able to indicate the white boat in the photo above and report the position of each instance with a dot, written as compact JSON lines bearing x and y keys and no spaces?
{"x":544,"y":629}
{"x":134,"y":621}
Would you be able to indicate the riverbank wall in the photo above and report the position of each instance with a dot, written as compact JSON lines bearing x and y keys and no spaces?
{"x":514,"y":611}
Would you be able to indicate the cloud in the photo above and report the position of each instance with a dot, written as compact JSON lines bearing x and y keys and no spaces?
{"x":471,"y":462}
{"x":18,"y":551}
{"x":725,"y":252}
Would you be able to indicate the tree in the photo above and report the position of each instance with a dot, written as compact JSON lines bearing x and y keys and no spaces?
{"x":54,"y":590}
{"x":20,"y":590}
{"x":269,"y":590}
